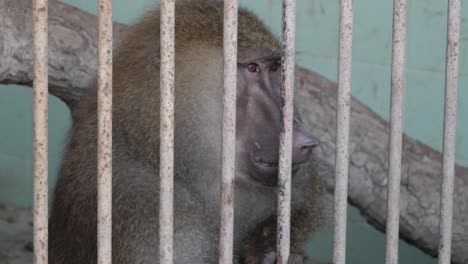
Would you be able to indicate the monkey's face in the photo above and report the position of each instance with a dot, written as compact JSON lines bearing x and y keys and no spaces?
{"x":259,"y":120}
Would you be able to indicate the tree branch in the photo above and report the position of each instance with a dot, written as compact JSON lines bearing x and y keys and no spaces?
{"x":72,"y":53}
{"x":72,"y":47}
{"x":369,"y":137}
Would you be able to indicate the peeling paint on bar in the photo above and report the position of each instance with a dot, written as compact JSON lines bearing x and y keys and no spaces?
{"x":229,"y":132}
{"x":104,"y":179}
{"x":396,"y":129}
{"x":450,"y":124}
{"x":40,"y":104}
{"x":342,"y":132}
{"x":285,"y":147}
{"x":166,"y":166}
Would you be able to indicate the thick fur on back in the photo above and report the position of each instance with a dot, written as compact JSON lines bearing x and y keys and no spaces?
{"x":199,"y":33}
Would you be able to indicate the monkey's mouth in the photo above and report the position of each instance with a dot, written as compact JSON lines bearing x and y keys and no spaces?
{"x":265,"y":163}
{"x":272,"y":164}
{"x":267,"y":171}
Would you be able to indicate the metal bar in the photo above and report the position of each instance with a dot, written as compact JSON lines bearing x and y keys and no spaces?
{"x":40,"y":103}
{"x":396,"y":129}
{"x":166,"y":167}
{"x":342,"y":131}
{"x":450,"y":124}
{"x":229,"y":132}
{"x":104,"y":180}
{"x":285,"y":147}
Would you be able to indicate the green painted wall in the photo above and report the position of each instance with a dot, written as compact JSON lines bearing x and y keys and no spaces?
{"x":317,"y":44}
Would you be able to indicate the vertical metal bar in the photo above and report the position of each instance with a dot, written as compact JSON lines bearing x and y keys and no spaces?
{"x":285,"y":147}
{"x":229,"y":132}
{"x":104,"y":180}
{"x":450,"y":123}
{"x":40,"y":103}
{"x":166,"y":167}
{"x":396,"y":129}
{"x":342,"y":131}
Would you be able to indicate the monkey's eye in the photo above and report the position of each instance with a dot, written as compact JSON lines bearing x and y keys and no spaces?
{"x":275,"y":66}
{"x":253,"y":67}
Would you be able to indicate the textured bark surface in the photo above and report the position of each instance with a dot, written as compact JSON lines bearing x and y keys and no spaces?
{"x":72,"y":47}
{"x":72,"y":66}
{"x":369,"y":137}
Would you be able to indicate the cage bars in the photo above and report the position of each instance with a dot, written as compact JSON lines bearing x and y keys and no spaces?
{"x":229,"y":132}
{"x":342,"y":131}
{"x":398,"y":82}
{"x":285,"y":144}
{"x":450,"y":123}
{"x":104,"y":108}
{"x":40,"y":53}
{"x":40,"y":152}
{"x":166,"y":157}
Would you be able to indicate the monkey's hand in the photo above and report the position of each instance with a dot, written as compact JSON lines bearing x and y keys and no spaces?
{"x":261,"y":246}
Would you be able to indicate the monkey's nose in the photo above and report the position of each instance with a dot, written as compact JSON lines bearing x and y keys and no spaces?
{"x":303,"y":143}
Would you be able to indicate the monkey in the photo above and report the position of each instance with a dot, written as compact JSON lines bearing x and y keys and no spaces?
{"x":197,"y":155}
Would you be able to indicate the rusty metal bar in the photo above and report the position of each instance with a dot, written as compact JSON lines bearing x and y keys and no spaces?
{"x":396,"y":129}
{"x":342,"y":131}
{"x":40,"y":104}
{"x":104,"y":180}
{"x":166,"y":166}
{"x":229,"y":132}
{"x":450,"y":124}
{"x":285,"y":147}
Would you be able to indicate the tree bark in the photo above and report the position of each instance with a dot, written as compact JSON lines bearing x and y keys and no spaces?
{"x":72,"y":66}
{"x":369,"y":137}
{"x":72,"y":47}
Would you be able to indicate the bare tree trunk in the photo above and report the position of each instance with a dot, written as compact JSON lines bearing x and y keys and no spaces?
{"x":72,"y":40}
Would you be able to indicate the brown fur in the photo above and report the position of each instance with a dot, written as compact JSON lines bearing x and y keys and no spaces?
{"x":198,"y":90}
